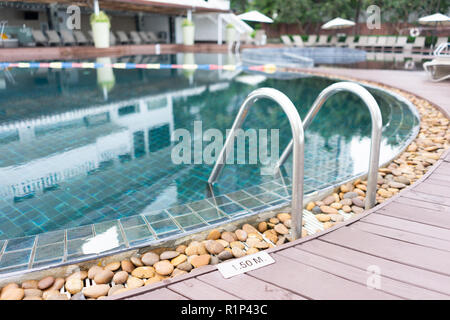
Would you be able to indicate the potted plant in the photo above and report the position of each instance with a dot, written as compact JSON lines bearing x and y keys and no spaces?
{"x":230,"y":34}
{"x":100,"y":29}
{"x":188,"y":32}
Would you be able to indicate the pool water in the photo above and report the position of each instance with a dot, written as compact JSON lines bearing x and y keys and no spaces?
{"x":84,"y":146}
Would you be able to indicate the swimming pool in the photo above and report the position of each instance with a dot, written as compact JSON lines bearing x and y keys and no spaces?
{"x":81,"y":148}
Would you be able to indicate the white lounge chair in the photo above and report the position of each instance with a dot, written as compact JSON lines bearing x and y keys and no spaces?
{"x":323,"y":41}
{"x":287,"y":40}
{"x":312,"y":38}
{"x":53,"y":38}
{"x":153,"y":37}
{"x":67,"y":38}
{"x":390,"y":43}
{"x":440,"y":40}
{"x":135,"y":37}
{"x":122,"y":37}
{"x":362,"y":42}
{"x":417,"y":46}
{"x":381,"y":43}
{"x":298,"y":41}
{"x":80,"y":37}
{"x":334,"y":41}
{"x":349,"y":42}
{"x":39,"y":37}
{"x":144,"y":37}
{"x":401,"y":43}
{"x":112,"y":39}
{"x":371,"y":42}
{"x":439,"y":67}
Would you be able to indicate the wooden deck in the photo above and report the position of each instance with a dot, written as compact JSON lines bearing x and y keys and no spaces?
{"x":406,"y":239}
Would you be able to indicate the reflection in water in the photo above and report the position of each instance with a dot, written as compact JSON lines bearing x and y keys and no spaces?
{"x":105,"y":76}
{"x":71,"y":155}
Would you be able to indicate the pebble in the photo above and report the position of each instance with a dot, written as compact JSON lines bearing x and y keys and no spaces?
{"x":336,"y":217}
{"x":74,"y":285}
{"x":346,"y":209}
{"x":225,"y":255}
{"x":32,"y":292}
{"x":48,"y":293}
{"x":336,"y":205}
{"x":150,"y":258}
{"x":283,"y":217}
{"x":327,"y":225}
{"x":168,"y":255}
{"x":113,"y":266}
{"x":358,"y":202}
{"x":144,"y":272}
{"x":357,"y":210}
{"x":384,"y":193}
{"x":103,"y":276}
{"x":120,"y":277}
{"x":164,"y":267}
{"x":178,"y":260}
{"x":249,"y":229}
{"x":213,"y":235}
{"x":252,"y":251}
{"x":96,"y":291}
{"x":228,"y":236}
{"x":178,"y":272}
{"x":397,"y":185}
{"x":136,"y":261}
{"x":114,"y":289}
{"x":328,"y":210}
{"x":310,"y":206}
{"x":288,"y":223}
{"x":262,"y":226}
{"x":32,"y":298}
{"x":201,"y":260}
{"x":46,"y":283}
{"x":214,"y":247}
{"x":402,"y":179}
{"x":181,"y":248}
{"x":323,"y":217}
{"x":281,"y":229}
{"x":346,"y":202}
{"x":133,"y":282}
{"x":57,"y":296}
{"x":30,"y":284}
{"x":93,"y":271}
{"x":316,"y":210}
{"x":237,"y":244}
{"x":241,"y":235}
{"x":127,"y":266}
{"x":282,"y":240}
{"x":350,"y":195}
{"x":328,"y":200}
{"x":12,"y":294}
{"x":214,"y":260}
{"x":186,"y":266}
{"x":78,"y":296}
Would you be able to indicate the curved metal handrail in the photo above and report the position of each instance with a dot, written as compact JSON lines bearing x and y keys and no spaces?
{"x":297,"y":144}
{"x":377,"y":125}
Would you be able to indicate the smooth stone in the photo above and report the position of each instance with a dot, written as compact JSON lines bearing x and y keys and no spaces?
{"x":288,"y":223}
{"x":201,"y":260}
{"x":328,"y":200}
{"x":228,"y":236}
{"x":225,"y":255}
{"x":178,"y":272}
{"x":237,"y":252}
{"x":262,"y":226}
{"x":357,"y":210}
{"x":32,"y":298}
{"x":223,"y":242}
{"x":214,"y":247}
{"x":249,"y":228}
{"x":96,"y":291}
{"x":46,"y":283}
{"x":241,"y":235}
{"x":346,"y":202}
{"x":336,"y":217}
{"x":103,"y":276}
{"x":346,"y":209}
{"x":114,"y":289}
{"x":186,"y":266}
{"x":252,"y":251}
{"x":283,"y":217}
{"x":58,"y":296}
{"x":323,"y":217}
{"x":74,"y":285}
{"x":274,"y":220}
{"x":181,"y":248}
{"x":143,"y":272}
{"x":310,"y":205}
{"x":358,"y":202}
{"x":150,"y":258}
{"x":163,"y":267}
{"x":397,"y":185}
{"x":178,"y":260}
{"x":327,"y":225}
{"x":168,"y":255}
{"x":93,"y":271}
{"x":255,"y":235}
{"x":32,"y":292}
{"x":120,"y":277}
{"x":30,"y":284}
{"x":328,"y":210}
{"x":281,"y":229}
{"x":316,"y":210}
{"x":336,"y":205}
{"x":10,"y":286}
{"x":78,"y":296}
{"x":350,"y":195}
{"x":402,"y":179}
{"x":113,"y":266}
{"x":213,"y":235}
{"x":136,"y":261}
{"x":46,"y":294}
{"x":59,"y":283}
{"x":133,"y":283}
{"x":12,"y":294}
{"x":384,"y":193}
{"x":80,"y":275}
{"x":153,"y":280}
{"x":214,"y":260}
{"x":281,"y":240}
{"x":127,"y":266}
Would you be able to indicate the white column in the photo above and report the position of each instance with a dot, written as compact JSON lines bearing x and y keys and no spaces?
{"x":96,"y":7}
{"x":219,"y":29}
{"x":189,"y":15}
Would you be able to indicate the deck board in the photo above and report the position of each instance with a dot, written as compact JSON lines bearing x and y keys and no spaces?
{"x":198,"y":290}
{"x":159,"y":294}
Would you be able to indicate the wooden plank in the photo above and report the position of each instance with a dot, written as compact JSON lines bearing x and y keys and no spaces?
{"x":248,"y":288}
{"x":198,"y":290}
{"x":158,"y":294}
{"x":410,"y":226}
{"x":411,"y":194}
{"x":423,"y":204}
{"x":434,"y":189}
{"x":421,"y":215}
{"x":313,"y":283}
{"x":404,"y":236}
{"x":394,"y":270}
{"x":395,"y":250}
{"x":390,"y":286}
{"x":439,"y":180}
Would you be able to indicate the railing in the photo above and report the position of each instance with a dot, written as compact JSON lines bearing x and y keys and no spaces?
{"x":297,"y":145}
{"x":442,"y":50}
{"x":377,"y":124}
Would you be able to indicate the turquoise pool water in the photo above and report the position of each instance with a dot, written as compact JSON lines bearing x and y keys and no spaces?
{"x":86,"y":146}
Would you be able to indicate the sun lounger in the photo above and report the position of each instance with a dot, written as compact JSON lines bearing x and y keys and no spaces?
{"x":135,"y":37}
{"x":298,"y":41}
{"x":53,"y":38}
{"x":311,"y":40}
{"x":153,"y":37}
{"x":323,"y":41}
{"x":67,"y":38}
{"x":371,"y":42}
{"x":349,"y":42}
{"x":417,"y":46}
{"x":334,"y":41}
{"x":144,"y":37}
{"x":287,"y":40}
{"x":80,"y":37}
{"x":390,"y":43}
{"x":112,"y":39}
{"x":39,"y":37}
{"x":381,"y":43}
{"x":122,"y":37}
{"x":362,"y":42}
{"x":440,"y":40}
{"x":401,"y":43}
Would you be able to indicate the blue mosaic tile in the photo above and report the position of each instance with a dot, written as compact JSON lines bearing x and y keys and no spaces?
{"x":200,"y":205}
{"x":250,"y":203}
{"x":179,"y":210}
{"x":220,"y":200}
{"x":267,"y":197}
{"x":80,"y":232}
{"x":188,"y":220}
{"x":231,"y":209}
{"x":164,"y":226}
{"x":13,"y":269}
{"x":255,"y":190}
{"x":50,"y":238}
{"x":138,"y":233}
{"x":15,"y":258}
{"x":47,"y":263}
{"x":131,"y":222}
{"x":20,"y":243}
{"x":238,"y":195}
{"x":156,"y":216}
{"x":49,"y":252}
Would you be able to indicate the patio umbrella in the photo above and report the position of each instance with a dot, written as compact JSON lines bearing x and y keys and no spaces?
{"x":435,"y":19}
{"x":255,"y":16}
{"x":338,"y":23}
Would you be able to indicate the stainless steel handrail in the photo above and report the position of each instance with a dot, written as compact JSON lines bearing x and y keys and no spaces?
{"x":297,"y":144}
{"x":375,"y":143}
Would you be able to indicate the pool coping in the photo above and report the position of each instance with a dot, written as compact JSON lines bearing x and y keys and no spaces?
{"x":19,"y":270}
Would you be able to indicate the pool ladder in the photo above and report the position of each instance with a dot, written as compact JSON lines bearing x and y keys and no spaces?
{"x":296,"y":145}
